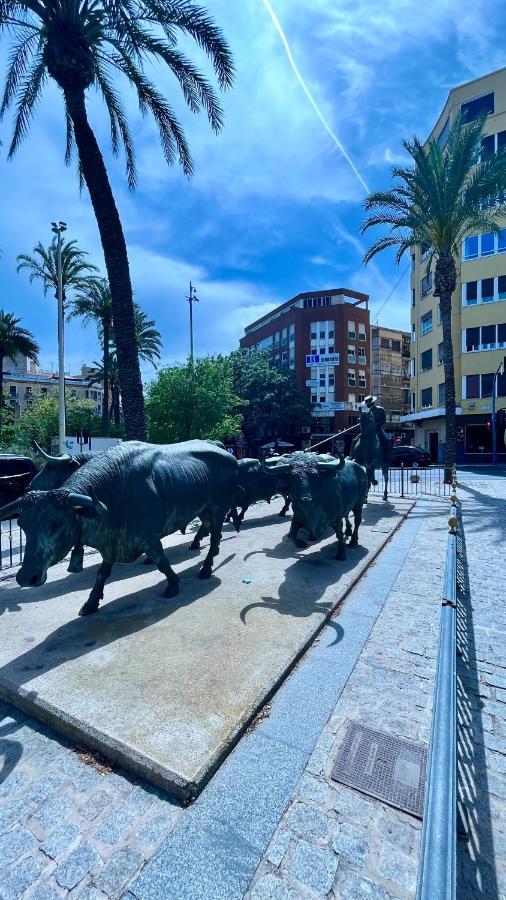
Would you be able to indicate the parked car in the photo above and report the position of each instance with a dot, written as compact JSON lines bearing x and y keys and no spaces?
{"x":16,"y":473}
{"x":409,"y":456}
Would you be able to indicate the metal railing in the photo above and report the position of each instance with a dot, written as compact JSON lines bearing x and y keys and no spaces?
{"x":407,"y":481}
{"x":11,"y":544}
{"x":438,"y":853}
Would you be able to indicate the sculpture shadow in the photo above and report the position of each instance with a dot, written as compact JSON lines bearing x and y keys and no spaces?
{"x":11,"y":750}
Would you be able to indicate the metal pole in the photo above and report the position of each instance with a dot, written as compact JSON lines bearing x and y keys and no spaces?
{"x":58,"y":229}
{"x":494,"y":414}
{"x":191,"y":300}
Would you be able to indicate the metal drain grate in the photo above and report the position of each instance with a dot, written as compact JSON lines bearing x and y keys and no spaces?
{"x":386,"y":767}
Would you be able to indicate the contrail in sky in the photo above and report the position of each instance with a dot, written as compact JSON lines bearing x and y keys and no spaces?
{"x":309,"y":95}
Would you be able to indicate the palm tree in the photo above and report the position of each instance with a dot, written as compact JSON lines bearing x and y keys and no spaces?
{"x":94,"y":302}
{"x":13,"y":341}
{"x":149,"y":339}
{"x":444,"y":195}
{"x":43,"y":265}
{"x":83,"y":45}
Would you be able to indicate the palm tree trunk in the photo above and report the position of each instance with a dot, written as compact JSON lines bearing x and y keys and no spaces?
{"x":116,"y":261}
{"x":445,"y":281}
{"x":106,"y":327}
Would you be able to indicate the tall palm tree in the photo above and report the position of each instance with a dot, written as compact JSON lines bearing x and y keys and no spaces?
{"x":444,"y":195}
{"x":94,"y":302}
{"x":81,"y":45}
{"x":149,"y":339}
{"x":13,"y":341}
{"x":43,"y":265}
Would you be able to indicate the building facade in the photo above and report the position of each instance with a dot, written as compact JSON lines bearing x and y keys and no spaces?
{"x":479,"y":307}
{"x":23,"y":380}
{"x":324,"y":337}
{"x":390,"y":382}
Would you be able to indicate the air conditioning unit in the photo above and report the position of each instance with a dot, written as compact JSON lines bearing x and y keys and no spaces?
{"x":471,"y":404}
{"x":305,"y":429}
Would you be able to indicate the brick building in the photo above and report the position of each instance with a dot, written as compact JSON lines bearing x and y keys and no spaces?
{"x":324,"y":336}
{"x":390,"y":351}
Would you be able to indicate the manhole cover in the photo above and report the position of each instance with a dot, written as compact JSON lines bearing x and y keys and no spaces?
{"x":383,"y":766}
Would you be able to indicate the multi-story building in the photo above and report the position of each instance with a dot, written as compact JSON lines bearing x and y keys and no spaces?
{"x":22,"y":380}
{"x":324,"y":336}
{"x":390,"y":353}
{"x":479,"y":307}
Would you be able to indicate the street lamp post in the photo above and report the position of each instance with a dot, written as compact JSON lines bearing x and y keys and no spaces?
{"x":191,"y":299}
{"x":499,"y":371}
{"x":58,"y":228}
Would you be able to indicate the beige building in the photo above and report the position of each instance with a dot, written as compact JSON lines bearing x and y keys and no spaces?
{"x":390,"y":353}
{"x":479,"y":306}
{"x":22,"y":380}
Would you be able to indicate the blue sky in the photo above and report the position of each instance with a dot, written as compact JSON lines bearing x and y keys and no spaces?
{"x":273,"y":208}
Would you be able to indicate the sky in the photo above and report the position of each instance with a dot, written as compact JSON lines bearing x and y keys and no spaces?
{"x":316,"y":115}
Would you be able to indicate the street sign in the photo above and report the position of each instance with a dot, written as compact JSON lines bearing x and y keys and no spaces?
{"x":322,"y":359}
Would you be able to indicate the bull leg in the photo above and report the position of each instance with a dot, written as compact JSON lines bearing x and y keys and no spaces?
{"x":156,"y":553}
{"x":76,"y":559}
{"x":341,"y":542}
{"x":97,"y":591}
{"x":385,"y":476}
{"x":217,"y":519}
{"x":357,"y":515}
{"x":201,"y":533}
{"x":286,"y":507}
{"x":294,"y":531}
{"x":348,"y":530}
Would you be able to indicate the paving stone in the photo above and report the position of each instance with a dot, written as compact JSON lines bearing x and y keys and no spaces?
{"x":307,"y":821}
{"x":278,"y":847}
{"x":311,"y":789}
{"x":95,"y":804}
{"x":155,"y":829}
{"x":12,"y":783}
{"x":43,"y":788}
{"x":139,"y":801}
{"x":73,"y":869}
{"x":118,"y":871}
{"x":11,"y":813}
{"x":14,"y":844}
{"x":399,"y":869}
{"x":60,"y":840}
{"x":49,"y":815}
{"x":18,"y":879}
{"x":271,"y":888}
{"x":314,"y":866}
{"x":45,"y":892}
{"x":317,"y":761}
{"x":116,"y":827}
{"x":326,"y":741}
{"x":353,"y":806}
{"x":350,"y":842}
{"x":352,"y":886}
{"x":401,"y":834}
{"x":90,"y":893}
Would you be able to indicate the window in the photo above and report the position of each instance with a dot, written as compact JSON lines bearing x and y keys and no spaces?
{"x":443,"y":134}
{"x":472,"y":386}
{"x":471,"y":292}
{"x":352,"y":398}
{"x":486,"y":384}
{"x":479,"y":106}
{"x":284,"y":336}
{"x":426,"y":397}
{"x":331,"y":348}
{"x":426,"y":284}
{"x":472,"y":339}
{"x":351,"y":331}
{"x":501,"y":140}
{"x":322,"y":335}
{"x":412,"y":367}
{"x":424,"y":252}
{"x":413,"y":262}
{"x":313,"y":335}
{"x":352,"y":378}
{"x":438,"y":320}
{"x":396,"y":346}
{"x":322,"y":379}
{"x":487,"y":290}
{"x":385,"y":343}
{"x":413,"y":296}
{"x":471,"y":247}
{"x":501,"y":287}
{"x":487,"y":243}
{"x":440,"y":354}
{"x":292,"y":334}
{"x":332,"y":380}
{"x":13,"y":391}
{"x":375,"y":342}
{"x":426,"y":360}
{"x":322,"y":398}
{"x":413,"y":333}
{"x":276,"y":339}
{"x":487,"y":335}
{"x":361,"y":398}
{"x":413,"y":402}
{"x":501,"y":334}
{"x":361,"y":355}
{"x":313,"y":398}
{"x":361,"y":379}
{"x":331,"y":333}
{"x":441,"y":394}
{"x":487,"y":147}
{"x":351,"y":354}
{"x":361,"y":333}
{"x":426,"y":323}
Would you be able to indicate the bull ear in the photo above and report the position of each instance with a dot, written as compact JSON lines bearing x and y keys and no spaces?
{"x":54,"y":459}
{"x":88,"y":505}
{"x":11,"y":509}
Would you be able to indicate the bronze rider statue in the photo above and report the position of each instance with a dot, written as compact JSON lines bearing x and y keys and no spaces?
{"x":380,"y":418}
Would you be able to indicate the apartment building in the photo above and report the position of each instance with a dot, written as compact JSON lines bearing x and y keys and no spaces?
{"x":390,"y":382}
{"x":479,"y":306}
{"x":324,"y":336}
{"x":23,"y":380}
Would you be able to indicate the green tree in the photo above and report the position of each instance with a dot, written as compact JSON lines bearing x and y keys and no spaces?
{"x":13,"y":341}
{"x":445,"y":194}
{"x":149,"y":339}
{"x":94,"y":302}
{"x":39,"y":421}
{"x":193,"y":401}
{"x":84,"y":45}
{"x":42,"y":265}
{"x":274,"y":405}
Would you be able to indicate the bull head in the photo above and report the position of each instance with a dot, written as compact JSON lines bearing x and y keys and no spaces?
{"x":11,"y":509}
{"x":64,"y":458}
{"x":87,"y":504}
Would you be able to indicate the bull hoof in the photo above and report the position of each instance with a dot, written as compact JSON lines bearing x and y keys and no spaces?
{"x":195,"y":545}
{"x":353,"y":542}
{"x":374,"y":482}
{"x":88,"y":608}
{"x":205,"y":573}
{"x":75,"y":567}
{"x":172,"y":589}
{"x":147,"y":561}
{"x":300,"y":543}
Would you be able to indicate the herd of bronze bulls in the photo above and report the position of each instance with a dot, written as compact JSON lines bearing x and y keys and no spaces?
{"x":124,"y":500}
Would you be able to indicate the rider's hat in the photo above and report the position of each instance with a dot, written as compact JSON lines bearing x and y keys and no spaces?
{"x":369,"y":400}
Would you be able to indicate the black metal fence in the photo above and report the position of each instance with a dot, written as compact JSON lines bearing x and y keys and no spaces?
{"x":11,"y":544}
{"x":407,"y":482}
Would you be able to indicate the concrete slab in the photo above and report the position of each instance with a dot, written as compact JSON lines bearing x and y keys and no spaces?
{"x":166,"y":687}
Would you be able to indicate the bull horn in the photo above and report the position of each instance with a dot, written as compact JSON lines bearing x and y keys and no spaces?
{"x":86,"y":502}
{"x":331,"y":465}
{"x":11,"y":509}
{"x":276,"y":464}
{"x":47,"y":456}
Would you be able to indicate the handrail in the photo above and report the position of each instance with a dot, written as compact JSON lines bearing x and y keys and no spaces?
{"x":438,"y":852}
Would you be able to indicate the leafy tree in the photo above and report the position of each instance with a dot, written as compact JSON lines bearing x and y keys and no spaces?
{"x":40,"y":420}
{"x":13,"y":341}
{"x":195,"y":400}
{"x":84,"y":45}
{"x":43,"y":266}
{"x":94,"y":302}
{"x":274,"y":405}
{"x":445,"y":194}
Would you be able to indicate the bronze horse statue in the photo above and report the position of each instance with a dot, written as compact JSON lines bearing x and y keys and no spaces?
{"x":367,"y":450}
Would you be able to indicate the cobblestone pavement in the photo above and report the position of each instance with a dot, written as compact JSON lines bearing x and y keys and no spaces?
{"x":332,"y":840}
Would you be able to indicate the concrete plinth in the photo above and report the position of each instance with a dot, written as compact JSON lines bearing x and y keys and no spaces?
{"x":165,"y":687}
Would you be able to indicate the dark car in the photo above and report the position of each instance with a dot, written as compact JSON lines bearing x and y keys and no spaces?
{"x":410,"y":456}
{"x":16,"y":473}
